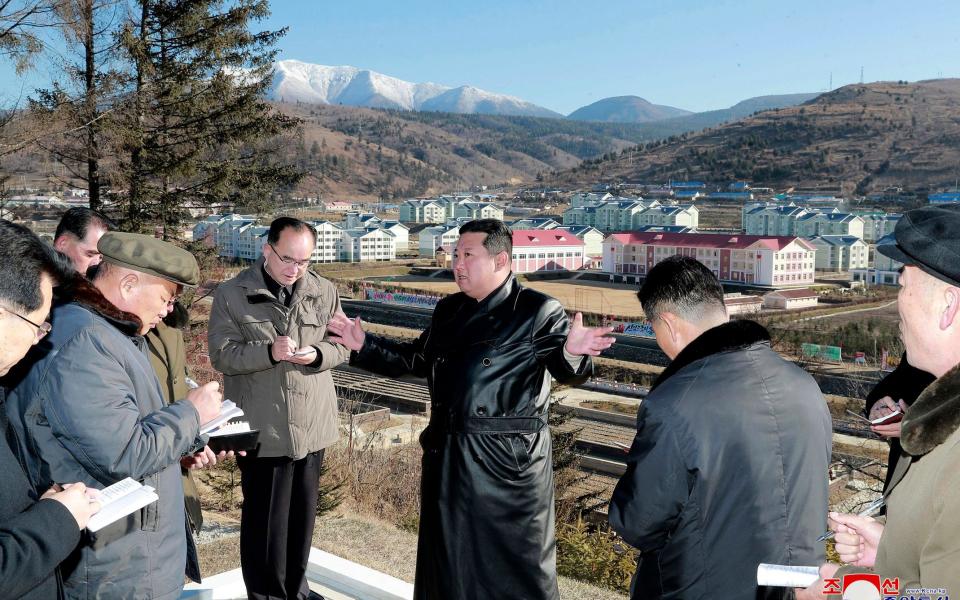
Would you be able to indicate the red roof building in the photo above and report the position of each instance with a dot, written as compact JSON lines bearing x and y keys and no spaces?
{"x":775,"y":261}
{"x":546,"y":250}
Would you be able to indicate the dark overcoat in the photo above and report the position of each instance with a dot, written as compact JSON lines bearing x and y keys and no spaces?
{"x":487,"y":513}
{"x":728,"y":470}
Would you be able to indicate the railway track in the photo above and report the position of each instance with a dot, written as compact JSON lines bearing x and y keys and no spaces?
{"x":628,"y":347}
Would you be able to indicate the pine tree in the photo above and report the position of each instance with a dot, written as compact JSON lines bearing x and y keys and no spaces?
{"x":200,"y":133}
{"x":81,"y":102}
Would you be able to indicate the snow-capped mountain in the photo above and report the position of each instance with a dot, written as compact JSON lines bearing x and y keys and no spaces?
{"x":294,"y":80}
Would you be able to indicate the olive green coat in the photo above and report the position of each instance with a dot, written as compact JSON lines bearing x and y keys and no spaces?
{"x":921,"y":540}
{"x":169,"y":360}
{"x":294,"y":406}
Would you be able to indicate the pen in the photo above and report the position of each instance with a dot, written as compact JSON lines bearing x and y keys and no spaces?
{"x":871,"y":508}
{"x":191,"y":383}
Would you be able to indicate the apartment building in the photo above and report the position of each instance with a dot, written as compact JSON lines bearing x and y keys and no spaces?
{"x":840,"y":253}
{"x":776,"y":261}
{"x":546,"y":250}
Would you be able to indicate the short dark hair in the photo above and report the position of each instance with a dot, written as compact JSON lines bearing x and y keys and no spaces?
{"x":681,"y":285}
{"x":23,"y":258}
{"x":499,"y":237}
{"x":77,"y":221}
{"x":281,"y":223}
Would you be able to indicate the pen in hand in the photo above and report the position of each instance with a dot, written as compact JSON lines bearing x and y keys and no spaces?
{"x":869,"y":511}
{"x":191,"y":383}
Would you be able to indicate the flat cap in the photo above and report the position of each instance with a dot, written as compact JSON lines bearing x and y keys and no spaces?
{"x":149,"y":255}
{"x":928,"y":238}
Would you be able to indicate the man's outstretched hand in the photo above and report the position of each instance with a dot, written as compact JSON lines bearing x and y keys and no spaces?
{"x":587,"y":340}
{"x":346,"y":331}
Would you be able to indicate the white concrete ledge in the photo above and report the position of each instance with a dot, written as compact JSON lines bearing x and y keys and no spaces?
{"x":354,"y":579}
{"x":337,"y":574}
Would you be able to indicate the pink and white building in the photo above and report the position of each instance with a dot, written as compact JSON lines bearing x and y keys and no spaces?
{"x":775,"y":261}
{"x":546,"y":250}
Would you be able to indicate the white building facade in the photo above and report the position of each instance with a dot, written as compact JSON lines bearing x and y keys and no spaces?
{"x":776,"y":261}
{"x":536,"y":250}
{"x":840,"y":253}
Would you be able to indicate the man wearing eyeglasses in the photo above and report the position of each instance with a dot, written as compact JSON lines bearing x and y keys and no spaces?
{"x":90,"y":409}
{"x":268,"y":338}
{"x":37,"y":532}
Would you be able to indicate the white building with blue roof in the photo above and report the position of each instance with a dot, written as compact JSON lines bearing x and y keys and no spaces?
{"x":840,"y":253}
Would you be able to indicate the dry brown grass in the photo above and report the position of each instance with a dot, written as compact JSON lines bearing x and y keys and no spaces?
{"x":372,"y":543}
{"x":609,"y":406}
{"x":587,"y":296}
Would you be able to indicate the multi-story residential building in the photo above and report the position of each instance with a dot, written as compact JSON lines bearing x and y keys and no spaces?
{"x":329,"y":238}
{"x":354,"y":219}
{"x":422,"y":211}
{"x":219,"y":231}
{"x":250,"y":240}
{"x":614,"y":214}
{"x":666,"y":216}
{"x":432,"y":238}
{"x":477,"y":210}
{"x":778,"y":219}
{"x":829,"y":223}
{"x":840,"y":252}
{"x":877,"y":224}
{"x":629,"y":215}
{"x":228,"y":233}
{"x":243,"y":239}
{"x":443,"y":208}
{"x":592,"y":239}
{"x":776,"y":261}
{"x":546,"y":250}
{"x":771,"y":219}
{"x":363,"y":245}
{"x":885,"y":270}
{"x":401,"y":233}
{"x":580,"y":216}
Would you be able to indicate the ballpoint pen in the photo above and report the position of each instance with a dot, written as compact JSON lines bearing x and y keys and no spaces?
{"x":870,"y":509}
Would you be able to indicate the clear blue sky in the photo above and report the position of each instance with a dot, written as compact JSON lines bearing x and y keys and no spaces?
{"x":563,"y":54}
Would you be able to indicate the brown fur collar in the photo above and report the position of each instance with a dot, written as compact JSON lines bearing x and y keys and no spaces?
{"x":88,"y":295}
{"x":934,"y":416}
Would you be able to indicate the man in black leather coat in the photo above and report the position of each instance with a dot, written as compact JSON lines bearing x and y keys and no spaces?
{"x":486,"y":515}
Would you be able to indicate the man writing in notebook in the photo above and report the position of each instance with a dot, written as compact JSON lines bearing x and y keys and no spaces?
{"x":920,"y":543}
{"x":268,"y":338}
{"x":37,"y":531}
{"x":90,"y":409}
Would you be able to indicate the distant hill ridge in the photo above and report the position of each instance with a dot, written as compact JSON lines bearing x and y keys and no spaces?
{"x":298,"y":81}
{"x":858,"y":139}
{"x":626,"y":109}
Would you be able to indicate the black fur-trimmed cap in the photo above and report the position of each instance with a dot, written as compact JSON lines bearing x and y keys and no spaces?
{"x":928,"y":238}
{"x":149,"y":255}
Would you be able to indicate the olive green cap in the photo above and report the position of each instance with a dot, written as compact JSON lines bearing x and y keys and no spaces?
{"x":149,"y":255}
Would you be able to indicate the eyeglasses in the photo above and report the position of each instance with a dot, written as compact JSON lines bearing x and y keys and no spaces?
{"x":42,"y":328}
{"x":301,"y":264}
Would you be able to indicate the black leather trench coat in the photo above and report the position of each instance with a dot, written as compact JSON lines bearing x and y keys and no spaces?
{"x":487,"y":512}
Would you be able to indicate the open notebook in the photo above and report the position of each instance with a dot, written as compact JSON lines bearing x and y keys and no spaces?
{"x":120,"y":500}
